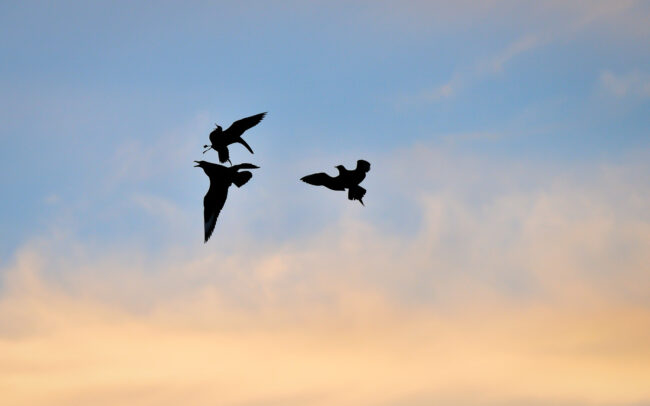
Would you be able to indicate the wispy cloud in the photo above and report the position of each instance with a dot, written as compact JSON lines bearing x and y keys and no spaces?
{"x":563,"y":17}
{"x":635,"y":83}
{"x":497,"y":62}
{"x":134,"y":160}
{"x":552,"y":22}
{"x":489,"y":67}
{"x":446,"y":90}
{"x":52,"y":199}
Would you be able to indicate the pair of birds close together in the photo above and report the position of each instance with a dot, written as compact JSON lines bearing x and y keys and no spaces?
{"x":221,"y":177}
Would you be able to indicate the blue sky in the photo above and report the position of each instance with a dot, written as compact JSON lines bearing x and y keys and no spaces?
{"x":509,"y":144}
{"x":81,"y":81}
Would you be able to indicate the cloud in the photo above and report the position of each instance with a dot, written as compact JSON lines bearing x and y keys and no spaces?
{"x":160,"y":208}
{"x":463,"y":79}
{"x":564,"y":18}
{"x":496,"y":63}
{"x":635,"y":83}
{"x":545,"y":23}
{"x":626,"y":17}
{"x":52,"y":199}
{"x":134,"y":160}
{"x":517,"y":286}
{"x":446,"y":90}
{"x":68,"y":350}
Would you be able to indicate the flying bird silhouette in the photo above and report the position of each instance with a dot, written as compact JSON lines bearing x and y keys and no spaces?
{"x":221,"y":177}
{"x":220,"y":139}
{"x":346,"y":179}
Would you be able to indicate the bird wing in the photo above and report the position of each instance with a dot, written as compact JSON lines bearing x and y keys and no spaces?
{"x":212,"y":204}
{"x":323,"y":179}
{"x":244,"y":166}
{"x":238,"y":127}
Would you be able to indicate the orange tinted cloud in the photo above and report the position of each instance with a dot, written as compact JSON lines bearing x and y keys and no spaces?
{"x":65,"y":350}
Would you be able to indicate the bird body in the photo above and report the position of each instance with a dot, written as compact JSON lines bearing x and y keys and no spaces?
{"x":346,"y":179}
{"x":221,"y":177}
{"x":220,"y":139}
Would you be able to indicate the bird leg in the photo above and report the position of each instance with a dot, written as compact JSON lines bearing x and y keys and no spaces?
{"x":209,"y":148}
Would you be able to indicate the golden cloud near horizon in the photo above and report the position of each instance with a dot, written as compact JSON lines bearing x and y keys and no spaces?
{"x":74,"y":351}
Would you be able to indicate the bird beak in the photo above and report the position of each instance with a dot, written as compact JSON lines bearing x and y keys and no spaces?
{"x":199,"y":164}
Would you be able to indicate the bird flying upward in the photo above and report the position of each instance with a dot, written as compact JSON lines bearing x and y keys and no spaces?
{"x":221,"y":177}
{"x":346,"y":179}
{"x":220,"y":139}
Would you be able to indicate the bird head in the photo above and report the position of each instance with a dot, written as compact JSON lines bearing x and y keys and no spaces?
{"x":363,"y":165}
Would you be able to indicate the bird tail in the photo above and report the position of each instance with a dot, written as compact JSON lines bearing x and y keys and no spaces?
{"x":241,"y":178}
{"x":224,"y":155}
{"x":357,"y":193}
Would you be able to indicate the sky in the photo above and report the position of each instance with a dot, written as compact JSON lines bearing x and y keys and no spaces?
{"x":502,"y":257}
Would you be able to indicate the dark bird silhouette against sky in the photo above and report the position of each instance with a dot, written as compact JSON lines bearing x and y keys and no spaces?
{"x":220,"y":139}
{"x":346,"y":179}
{"x":221,"y":177}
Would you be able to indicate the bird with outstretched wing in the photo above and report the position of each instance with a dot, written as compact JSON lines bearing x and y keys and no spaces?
{"x":221,"y":177}
{"x":220,"y":139}
{"x":346,"y":179}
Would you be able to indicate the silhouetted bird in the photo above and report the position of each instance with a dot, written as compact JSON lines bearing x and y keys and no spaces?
{"x":221,"y":139}
{"x":221,"y":177}
{"x":346,"y":179}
